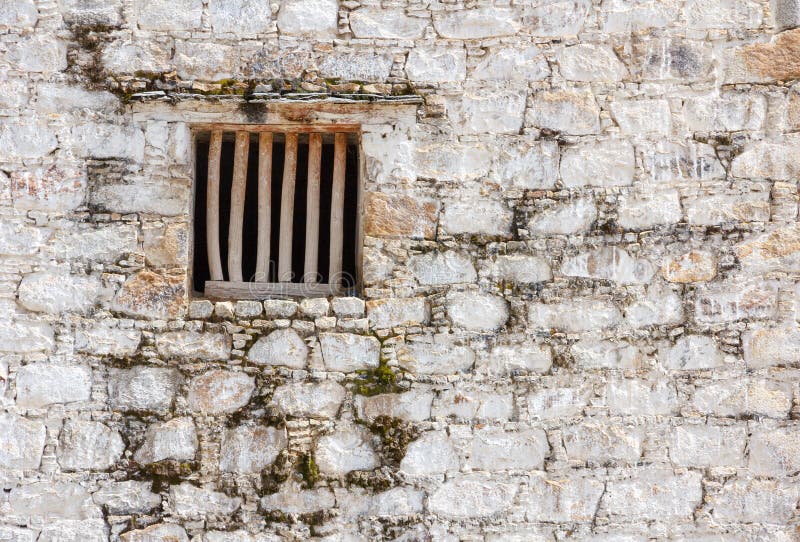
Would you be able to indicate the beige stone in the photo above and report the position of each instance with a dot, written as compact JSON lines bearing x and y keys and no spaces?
{"x":400,"y":216}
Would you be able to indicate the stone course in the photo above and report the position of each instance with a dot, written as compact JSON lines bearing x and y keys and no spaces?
{"x":578,"y":319}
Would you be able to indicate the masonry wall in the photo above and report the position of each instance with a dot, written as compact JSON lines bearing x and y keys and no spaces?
{"x":579,"y":316}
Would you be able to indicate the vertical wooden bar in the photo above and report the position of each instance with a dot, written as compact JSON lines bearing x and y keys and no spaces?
{"x":237,"y":206}
{"x":264,"y":205}
{"x":212,"y":206}
{"x":337,"y":208}
{"x":312,"y":207}
{"x":287,"y":209}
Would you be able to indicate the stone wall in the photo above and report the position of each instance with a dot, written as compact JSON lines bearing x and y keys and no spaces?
{"x":579,"y":319}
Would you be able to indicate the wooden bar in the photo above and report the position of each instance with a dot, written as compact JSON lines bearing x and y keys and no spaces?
{"x":212,"y":206}
{"x":287,"y":209}
{"x":312,"y":208}
{"x":337,"y":208}
{"x":264,"y":205}
{"x":237,"y":206}
{"x":263,"y":290}
{"x":279,"y":128}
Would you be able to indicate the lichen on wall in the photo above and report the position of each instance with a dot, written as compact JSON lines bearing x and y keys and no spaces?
{"x":578,"y":317}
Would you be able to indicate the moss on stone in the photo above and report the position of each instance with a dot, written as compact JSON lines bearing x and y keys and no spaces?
{"x":309,"y":470}
{"x":395,"y":436}
{"x":376,"y":381}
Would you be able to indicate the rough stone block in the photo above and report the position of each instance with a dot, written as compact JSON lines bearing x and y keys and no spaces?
{"x":321,"y":400}
{"x":692,"y":352}
{"x":692,"y":266}
{"x":512,"y":64}
{"x":603,"y":443}
{"x":637,"y":397}
{"x":281,"y":347}
{"x":379,"y":23}
{"x":168,"y":15}
{"x":755,"y":501}
{"x":590,"y":63}
{"x":472,"y":496}
{"x":592,"y":353}
{"x":250,"y":449}
{"x":602,"y":163}
{"x":440,"y":356}
{"x":569,"y":112}
{"x":140,"y":388}
{"x":193,"y":345}
{"x":608,"y":263}
{"x":43,"y":384}
{"x":778,"y":250}
{"x":160,"y":532}
{"x":127,"y":497}
{"x":220,"y":391}
{"x":413,"y":405}
{"x":495,"y":449}
{"x":56,"y":188}
{"x":476,"y":23}
{"x":439,"y":268}
{"x":205,"y":61}
{"x":568,"y":218}
{"x":707,"y":446}
{"x":24,"y":336}
{"x":656,"y":494}
{"x":744,"y":397}
{"x":659,"y":306}
{"x":175,"y":439}
{"x":346,"y":352}
{"x":57,"y":291}
{"x":476,"y":215}
{"x":651,"y":210}
{"x":26,"y":140}
{"x":388,"y":313}
{"x":725,"y":113}
{"x":437,"y":64}
{"x":774,"y":452}
{"x":642,"y":117}
{"x":557,"y":19}
{"x":574,"y":316}
{"x":189,"y":501}
{"x":477,"y":311}
{"x":316,"y":19}
{"x":672,"y":59}
{"x":733,"y":300}
{"x":87,"y":445}
{"x":21,"y":442}
{"x":150,"y":295}
{"x":469,"y":404}
{"x":560,"y":498}
{"x":344,"y":451}
{"x":400,"y":216}
{"x":431,"y":453}
{"x":19,"y":14}
{"x":239,"y":17}
{"x":766,"y":347}
{"x":775,"y":60}
{"x":523,"y":163}
{"x":48,"y":500}
{"x":505,"y":359}
{"x":476,"y":112}
{"x":38,"y":53}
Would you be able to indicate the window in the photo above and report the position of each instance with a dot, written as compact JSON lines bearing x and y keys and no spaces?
{"x":276,"y":210}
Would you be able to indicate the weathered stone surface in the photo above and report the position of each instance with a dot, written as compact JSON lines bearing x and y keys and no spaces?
{"x":374,"y":22}
{"x":18,"y":534}
{"x":281,"y":347}
{"x":670,"y":59}
{"x":192,"y":345}
{"x":452,"y":161}
{"x":250,"y":449}
{"x":604,"y":163}
{"x":479,"y":113}
{"x":776,"y":60}
{"x":440,"y":356}
{"x":347,"y":352}
{"x":42,"y":384}
{"x":556,"y":403}
{"x":150,"y":295}
{"x":26,"y":140}
{"x":651,"y":210}
{"x":766,"y":161}
{"x":431,"y":453}
{"x":692,"y":266}
{"x":205,"y":61}
{"x":778,"y":250}
{"x":726,"y":112}
{"x":557,"y":19}
{"x":56,"y":291}
{"x":523,"y":163}
{"x":469,"y":404}
{"x":21,"y":240}
{"x":239,"y":17}
{"x":765,"y":347}
{"x":438,"y":268}
{"x":153,"y":195}
{"x":86,"y":445}
{"x":692,"y":352}
{"x":595,"y":353}
{"x":52,"y":189}
{"x":400,"y":216}
{"x":38,"y":53}
{"x":108,"y":141}
{"x":755,"y":501}
{"x":640,"y":117}
{"x":659,"y":306}
{"x":315,"y":18}
{"x":360,"y":66}
{"x":166,"y":15}
{"x":477,"y":311}
{"x":413,"y":405}
{"x":21,"y":442}
{"x":73,"y":530}
{"x":128,"y":497}
{"x":476,"y":23}
{"x":437,"y":64}
{"x":175,"y":439}
{"x":493,"y":449}
{"x":160,"y":532}
{"x":320,"y":400}
{"x":574,"y":316}
{"x":190,"y":501}
{"x":571,"y":217}
{"x":20,"y":14}
{"x":92,"y":11}
{"x":123,"y":56}
{"x":387,"y":313}
{"x":44,"y":501}
{"x":608,"y":263}
{"x":654,"y":494}
{"x":512,"y":63}
{"x":734,"y":300}
{"x":525,"y":357}
{"x":167,"y":245}
{"x":475,"y":215}
{"x":775,"y":452}
{"x":26,"y":336}
{"x":707,"y":446}
{"x":666,"y":161}
{"x":723,"y":14}
{"x":293,"y":499}
{"x":106,"y":244}
{"x":723,"y":208}
{"x":744,"y":397}
{"x":141,"y":388}
{"x":519,"y":268}
{"x":603,"y":443}
{"x":220,"y":392}
{"x":569,"y":112}
{"x":637,"y":397}
{"x":344,"y":451}
{"x":590,"y":63}
{"x":472,"y":496}
{"x":572,"y":499}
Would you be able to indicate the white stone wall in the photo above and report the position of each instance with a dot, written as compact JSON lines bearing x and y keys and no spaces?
{"x":581,"y":266}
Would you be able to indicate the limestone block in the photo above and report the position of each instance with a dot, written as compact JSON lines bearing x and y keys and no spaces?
{"x":388,"y":313}
{"x":478,"y":112}
{"x":19,"y":14}
{"x":775,"y":452}
{"x":26,"y":140}
{"x":205,"y":61}
{"x":281,"y":347}
{"x":38,"y":53}
{"x":60,"y":99}
{"x":778,"y":250}
{"x":476,"y":23}
{"x":766,"y":347}
{"x":723,"y":14}
{"x":472,"y":214}
{"x":438,"y":268}
{"x":108,"y":141}
{"x":707,"y":446}
{"x":127,"y":497}
{"x":56,"y":291}
{"x":472,"y":496}
{"x":666,"y":161}
{"x":26,"y":336}
{"x":193,"y":345}
{"x":755,"y":501}
{"x":692,"y":352}
{"x":525,"y":357}
{"x":314,"y":400}
{"x":734,"y":300}
{"x":413,"y":405}
{"x":437,"y":64}
{"x":556,"y":19}
{"x":126,"y":56}
{"x":642,"y":117}
{"x":561,"y":498}
{"x":511,"y":64}
{"x":392,"y":23}
{"x":21,"y":240}
{"x":438,"y":357}
{"x":189,"y":501}
{"x":786,"y":14}
{"x":671,"y":59}
{"x":74,"y":530}
{"x":724,"y":113}
{"x":250,"y":449}
{"x":692,"y":266}
{"x":398,"y":501}
{"x":168,"y":15}
{"x":519,"y":268}
{"x":650,"y":210}
{"x":453,"y":161}
{"x":400,"y":216}
{"x":150,"y":295}
{"x":627,"y":16}
{"x":57,"y":188}
{"x":292,"y":499}
{"x":636,"y":397}
{"x":776,"y":60}
{"x":494,"y":449}
{"x":239,"y":17}
{"x":568,"y":218}
{"x":477,"y":311}
{"x":389,"y":155}
{"x":344,"y":451}
{"x":317,"y":19}
{"x":523,"y":163}
{"x":49,"y":500}
{"x":18,"y":534}
{"x":106,"y":12}
{"x":762,"y":160}
{"x":654,"y":494}
{"x":220,"y":391}
{"x":42,"y":384}
{"x":141,"y":388}
{"x":358,"y":66}
{"x":590,"y":63}
{"x":432,"y":453}
{"x":175,"y":439}
{"x":574,"y":316}
{"x":279,"y":308}
{"x":315,"y":307}
{"x":602,"y":163}
{"x":21,"y":442}
{"x":593,"y":353}
{"x":87,"y":445}
{"x":659,"y":306}
{"x":608,"y":263}
{"x":108,"y":243}
{"x":571,"y":112}
{"x":744,"y":397}
{"x":603,"y":443}
{"x":347,"y":352}
{"x":160,"y":532}
{"x":166,"y":246}
{"x":548,"y":404}
{"x":14,"y":93}
{"x":469,"y":404}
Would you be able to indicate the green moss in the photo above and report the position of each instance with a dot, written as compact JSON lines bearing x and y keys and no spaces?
{"x":375,"y":381}
{"x":309,"y":470}
{"x":273,"y":477}
{"x":374,"y":480}
{"x":395,"y":435}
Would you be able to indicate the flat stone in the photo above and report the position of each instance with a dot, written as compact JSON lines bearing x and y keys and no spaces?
{"x":437,"y":357}
{"x":454,"y":161}
{"x":87,"y":445}
{"x":590,"y":63}
{"x":479,"y":113}
{"x":108,"y":141}
{"x":512,"y":64}
{"x":671,"y":59}
{"x":432,"y":453}
{"x":220,"y":392}
{"x":38,"y":53}
{"x":608,"y":263}
{"x":193,"y":345}
{"x":150,"y":295}
{"x":317,"y":400}
{"x":160,"y":532}
{"x":523,"y":163}
{"x":476,"y":23}
{"x":472,"y":214}
{"x":470,"y":404}
{"x":472,"y":496}
{"x":189,"y":501}
{"x":315,"y":18}
{"x":293,"y":499}
{"x":717,"y":209}
{"x":360,"y":66}
{"x":345,"y":451}
{"x":175,"y":439}
{"x":562,"y":499}
{"x":774,"y":452}
{"x":381,"y":23}
{"x":603,"y":163}
{"x":654,"y":494}
{"x":400,"y":216}
{"x":437,"y":64}
{"x":668,"y":162}
{"x":638,"y":117}
{"x":766,"y":347}
{"x":413,"y":405}
{"x":574,"y":316}
{"x":755,"y":501}
{"x":105,"y":244}
{"x":26,"y":140}
{"x":42,"y":384}
{"x":21,"y":442}
{"x":127,"y":56}
{"x":348,"y":307}
{"x":637,"y":397}
{"x":127,"y":497}
{"x":731,"y":300}
{"x":347,"y":352}
{"x":744,"y":397}
{"x":567,"y":218}
{"x":593,"y":353}
{"x":762,"y":160}
{"x":19,"y":14}
{"x":649,"y":210}
{"x":692,"y":266}
{"x":776,"y":60}
{"x":250,"y":449}
{"x":26,"y":336}
{"x":786,"y":14}
{"x":21,"y":240}
{"x":168,"y":15}
{"x":239,"y":17}
{"x":106,"y":12}
{"x":728,"y":112}
{"x":778,"y":250}
{"x":692,"y":352}
{"x":477,"y":311}
{"x":56,"y":188}
{"x":504,"y":359}
{"x":205,"y":61}
{"x":707,"y":446}
{"x":166,"y":246}
{"x":49,"y":500}
{"x":568,"y":112}
{"x":58,"y":291}
{"x":281,"y":347}
{"x":494,"y":448}
{"x":603,"y":443}
{"x":141,"y":388}
{"x":389,"y":313}
{"x":74,"y":530}
{"x":723,"y":14}
{"x":438,"y":268}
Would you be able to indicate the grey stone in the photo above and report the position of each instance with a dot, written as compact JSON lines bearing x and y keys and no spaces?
{"x":43,"y":384}
{"x":50,"y":500}
{"x":104,"y":340}
{"x":220,"y":392}
{"x":438,"y":268}
{"x":281,"y":347}
{"x":87,"y":445}
{"x":167,"y":15}
{"x":21,"y":442}
{"x":347,"y":352}
{"x":437,"y":64}
{"x":194,"y":345}
{"x":382,"y":23}
{"x":344,"y":451}
{"x":477,"y":311}
{"x":472,"y":496}
{"x":239,"y":17}
{"x":437,"y":357}
{"x":250,"y":449}
{"x":160,"y":532}
{"x":127,"y":497}
{"x":654,"y":494}
{"x":562,"y":499}
{"x":141,"y":388}
{"x":320,"y":400}
{"x":387,"y":313}
{"x":316,"y":18}
{"x":175,"y":439}
{"x":189,"y":501}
